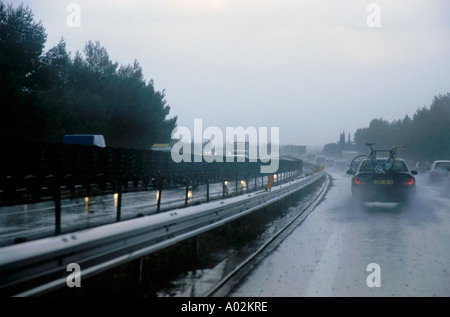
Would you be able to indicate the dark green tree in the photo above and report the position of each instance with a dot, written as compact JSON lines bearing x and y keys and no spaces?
{"x":47,"y":95}
{"x":21,"y":45}
{"x":426,"y":136}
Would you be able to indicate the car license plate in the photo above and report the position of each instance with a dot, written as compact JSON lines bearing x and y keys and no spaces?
{"x":384,"y":182}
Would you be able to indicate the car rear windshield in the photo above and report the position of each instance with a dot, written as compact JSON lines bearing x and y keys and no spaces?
{"x":397,"y":165}
{"x":442,"y":165}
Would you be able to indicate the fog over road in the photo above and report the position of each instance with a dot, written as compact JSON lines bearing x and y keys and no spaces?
{"x":328,"y":254}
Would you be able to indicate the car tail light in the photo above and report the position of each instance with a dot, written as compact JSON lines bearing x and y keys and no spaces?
{"x":408,"y":181}
{"x":358,"y":182}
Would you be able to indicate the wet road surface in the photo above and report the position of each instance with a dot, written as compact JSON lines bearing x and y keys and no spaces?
{"x":375,"y":250}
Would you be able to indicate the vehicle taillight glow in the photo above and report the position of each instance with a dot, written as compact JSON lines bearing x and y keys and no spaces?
{"x":358,"y":182}
{"x":408,"y":181}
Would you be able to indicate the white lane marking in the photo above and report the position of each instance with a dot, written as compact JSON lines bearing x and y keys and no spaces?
{"x":321,"y":283}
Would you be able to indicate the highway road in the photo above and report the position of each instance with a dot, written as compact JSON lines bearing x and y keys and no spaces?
{"x":374,"y":250}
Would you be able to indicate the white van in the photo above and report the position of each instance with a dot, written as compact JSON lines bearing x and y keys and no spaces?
{"x":85,"y":139}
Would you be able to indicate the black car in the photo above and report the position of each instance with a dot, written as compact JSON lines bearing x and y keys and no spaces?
{"x":394,"y":182}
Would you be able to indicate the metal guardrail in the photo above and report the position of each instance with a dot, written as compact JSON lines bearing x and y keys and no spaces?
{"x":36,"y":267}
{"x":37,"y":172}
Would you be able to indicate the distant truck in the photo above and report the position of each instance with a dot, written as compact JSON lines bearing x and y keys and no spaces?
{"x":85,"y":139}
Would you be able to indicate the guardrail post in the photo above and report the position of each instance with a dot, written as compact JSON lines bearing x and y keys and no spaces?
{"x":224,"y":189}
{"x":207,"y":190}
{"x":158,"y":198}
{"x":57,"y":199}
{"x":186,"y":198}
{"x":57,"y":191}
{"x":119,"y":198}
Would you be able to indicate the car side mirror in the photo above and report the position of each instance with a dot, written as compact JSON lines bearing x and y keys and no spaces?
{"x":414,"y":172}
{"x":350,"y":172}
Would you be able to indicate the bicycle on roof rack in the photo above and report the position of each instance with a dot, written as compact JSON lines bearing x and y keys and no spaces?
{"x":373,"y":164}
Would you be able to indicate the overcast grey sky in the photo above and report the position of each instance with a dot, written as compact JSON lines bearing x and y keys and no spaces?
{"x":311,"y":68}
